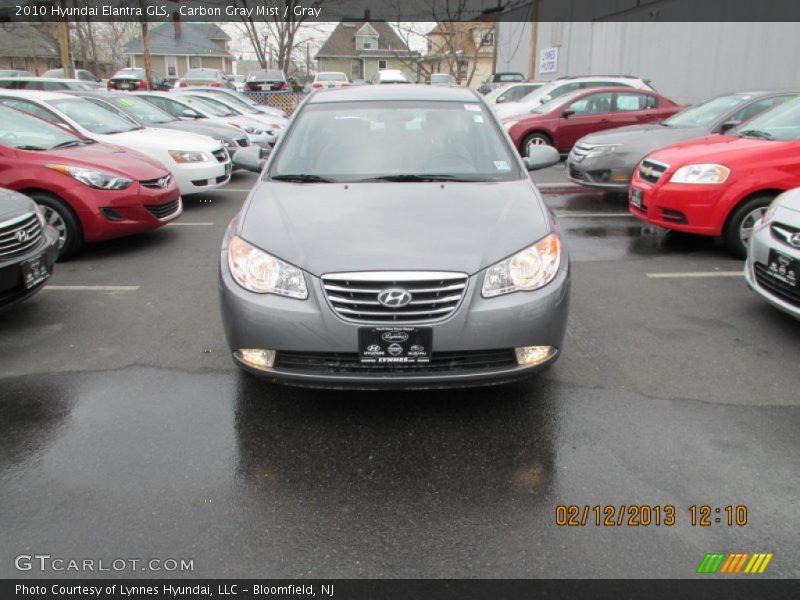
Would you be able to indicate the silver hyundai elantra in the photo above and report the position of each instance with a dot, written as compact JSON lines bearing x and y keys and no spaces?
{"x":394,"y":238}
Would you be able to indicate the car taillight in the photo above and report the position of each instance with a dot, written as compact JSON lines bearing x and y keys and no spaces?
{"x":141,"y":84}
{"x":284,"y":86}
{"x":183,"y":84}
{"x":110,"y":85}
{"x":316,"y":85}
{"x":345,"y":85}
{"x":215,"y":84}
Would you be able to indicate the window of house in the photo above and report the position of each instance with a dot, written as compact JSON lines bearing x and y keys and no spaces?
{"x":355,"y":70}
{"x":18,"y":62}
{"x":463,"y":69}
{"x":195,"y":62}
{"x":367,"y":45}
{"x":381,"y":64}
{"x":488,"y":39}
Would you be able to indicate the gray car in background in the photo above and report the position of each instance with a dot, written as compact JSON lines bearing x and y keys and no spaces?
{"x":606,"y":160}
{"x":145,"y":114}
{"x":773,"y":257}
{"x":395,"y":239}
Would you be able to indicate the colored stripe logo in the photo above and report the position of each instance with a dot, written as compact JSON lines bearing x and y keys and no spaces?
{"x":734,"y":562}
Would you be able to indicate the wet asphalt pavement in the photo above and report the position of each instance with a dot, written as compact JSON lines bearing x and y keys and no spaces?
{"x":126,"y":431}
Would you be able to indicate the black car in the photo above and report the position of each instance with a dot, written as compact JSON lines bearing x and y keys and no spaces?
{"x":130,"y":78}
{"x":270,"y":80}
{"x":28,"y":248}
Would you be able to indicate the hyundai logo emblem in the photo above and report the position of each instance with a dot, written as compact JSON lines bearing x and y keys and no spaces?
{"x":22,"y":236}
{"x":163,"y":182}
{"x":394,"y":297}
{"x":795,"y":240}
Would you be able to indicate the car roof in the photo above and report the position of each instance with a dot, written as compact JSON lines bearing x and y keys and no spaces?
{"x":420,"y":93}
{"x":37,"y":94}
{"x":57,"y":79}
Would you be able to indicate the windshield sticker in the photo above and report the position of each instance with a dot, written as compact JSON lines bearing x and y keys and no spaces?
{"x":124,"y":102}
{"x":501,"y":165}
{"x":473,"y":107}
{"x":477,"y":118}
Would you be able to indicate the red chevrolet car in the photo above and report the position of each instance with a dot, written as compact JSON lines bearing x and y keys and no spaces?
{"x":88,"y":191}
{"x":564,"y":120}
{"x":721,"y":185}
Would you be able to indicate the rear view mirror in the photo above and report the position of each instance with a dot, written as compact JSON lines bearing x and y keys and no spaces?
{"x":541,"y":157}
{"x":567,"y":112}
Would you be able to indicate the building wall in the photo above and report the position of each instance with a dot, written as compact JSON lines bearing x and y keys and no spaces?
{"x":159,"y":64}
{"x":343,"y":65}
{"x":34,"y":65}
{"x":371,"y":66}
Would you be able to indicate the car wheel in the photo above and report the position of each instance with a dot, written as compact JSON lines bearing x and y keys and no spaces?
{"x":60,"y":216}
{"x":741,"y":221}
{"x":535,"y":139}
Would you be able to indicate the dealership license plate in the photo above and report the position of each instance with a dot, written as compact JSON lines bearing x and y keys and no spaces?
{"x":636,"y":198}
{"x":785,"y":269}
{"x":34,"y":271}
{"x":395,"y":345}
{"x":228,"y":169}
{"x":126,"y":86}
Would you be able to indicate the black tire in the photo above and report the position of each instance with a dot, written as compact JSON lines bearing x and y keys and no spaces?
{"x":536,"y":138}
{"x":60,"y":215}
{"x":740,"y":220}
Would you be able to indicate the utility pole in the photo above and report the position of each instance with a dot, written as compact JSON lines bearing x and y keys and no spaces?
{"x":63,"y":45}
{"x":148,"y":67}
{"x":496,"y":35}
{"x":308,"y":62}
{"x":534,"y":39}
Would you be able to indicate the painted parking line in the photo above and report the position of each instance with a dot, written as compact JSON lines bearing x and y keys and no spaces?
{"x":589,"y":215}
{"x":190,"y":224}
{"x":237,"y":190}
{"x":553,"y":186}
{"x":695,"y":274}
{"x":91,"y":288}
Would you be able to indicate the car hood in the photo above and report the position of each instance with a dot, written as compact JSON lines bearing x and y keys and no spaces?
{"x":791,"y":200}
{"x":106,"y":157}
{"x":329,"y":228}
{"x":725,"y":149}
{"x":14,"y":205}
{"x":213,"y":130}
{"x":154,"y":138}
{"x":644,"y":138}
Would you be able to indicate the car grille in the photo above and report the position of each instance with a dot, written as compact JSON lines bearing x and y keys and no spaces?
{"x":784,"y":291}
{"x":19,"y":235}
{"x":442,"y":362}
{"x":434,"y":295}
{"x":784,"y":233}
{"x":575,"y":173}
{"x":220,"y":155}
{"x":162,"y":211}
{"x":244,"y":142}
{"x":157,"y":184}
{"x":652,"y":170}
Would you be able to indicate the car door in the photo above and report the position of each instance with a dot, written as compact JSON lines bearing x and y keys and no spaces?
{"x":634,"y":108}
{"x":592,"y":112}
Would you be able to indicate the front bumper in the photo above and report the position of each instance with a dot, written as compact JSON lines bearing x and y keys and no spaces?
{"x":537,"y":318}
{"x":683,"y":207}
{"x":603,"y":172}
{"x":12,"y":288}
{"x":774,"y":291}
{"x":194,"y":178}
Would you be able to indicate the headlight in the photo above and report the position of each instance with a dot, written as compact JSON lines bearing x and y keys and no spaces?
{"x":275,"y":126}
{"x":259,"y":272}
{"x":602,"y":150}
{"x":530,"y":269}
{"x":92,"y":178}
{"x":770,"y":212}
{"x":704,"y":174}
{"x":253,"y":130}
{"x":509,"y":124}
{"x":187,"y":156}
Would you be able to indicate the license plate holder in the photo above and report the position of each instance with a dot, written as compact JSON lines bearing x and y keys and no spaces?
{"x":783,"y":268}
{"x":394,"y":345}
{"x":34,"y":271}
{"x":228,"y":169}
{"x":637,"y":198}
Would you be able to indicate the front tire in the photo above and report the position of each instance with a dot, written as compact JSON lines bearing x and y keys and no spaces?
{"x":59,"y":215}
{"x":740,"y":224}
{"x":534,"y":139}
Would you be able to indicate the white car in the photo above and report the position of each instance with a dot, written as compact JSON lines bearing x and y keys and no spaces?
{"x":512,"y":92}
{"x":198,"y":163}
{"x":329,"y":80}
{"x":184,"y":106}
{"x":273,"y":123}
{"x":559,"y":87}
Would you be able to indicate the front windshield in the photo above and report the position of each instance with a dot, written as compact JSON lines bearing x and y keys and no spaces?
{"x":537,"y":93}
{"x":24,"y":132}
{"x":781,"y":123}
{"x":218,"y":109}
{"x":93,"y":117}
{"x":706,"y":112}
{"x":547,"y":107}
{"x":202,"y":74}
{"x":240,"y":104}
{"x":141,"y":109}
{"x":400,"y":141}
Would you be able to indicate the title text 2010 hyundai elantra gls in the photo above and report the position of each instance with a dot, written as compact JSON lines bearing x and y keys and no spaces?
{"x":395,"y":239}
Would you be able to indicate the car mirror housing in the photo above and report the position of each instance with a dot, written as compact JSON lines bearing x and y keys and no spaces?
{"x":252,"y":158}
{"x":728,"y":125}
{"x":541,"y":157}
{"x":190,"y":114}
{"x":567,"y":112}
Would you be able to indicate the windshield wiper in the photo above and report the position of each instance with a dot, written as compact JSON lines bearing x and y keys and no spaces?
{"x":300,"y":178}
{"x":424,"y":177}
{"x":756,"y":133}
{"x":34,"y":148}
{"x":67,"y":144}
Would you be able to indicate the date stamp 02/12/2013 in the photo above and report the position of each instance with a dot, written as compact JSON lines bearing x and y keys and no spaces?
{"x":648,"y":515}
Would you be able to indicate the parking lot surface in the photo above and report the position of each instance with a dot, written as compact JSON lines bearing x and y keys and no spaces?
{"x":126,"y":430}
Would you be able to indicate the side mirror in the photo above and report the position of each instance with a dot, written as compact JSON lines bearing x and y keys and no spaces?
{"x":545,"y":99}
{"x":567,"y":112}
{"x":541,"y":157}
{"x":190,"y":114}
{"x":500,"y":100}
{"x":251,"y":158}
{"x":728,"y":125}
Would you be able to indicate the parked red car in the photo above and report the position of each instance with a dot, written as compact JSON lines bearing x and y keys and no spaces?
{"x":87,"y":190}
{"x":721,"y":185}
{"x":564,"y":120}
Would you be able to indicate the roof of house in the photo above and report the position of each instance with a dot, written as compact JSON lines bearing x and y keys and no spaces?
{"x":342,"y":42}
{"x":195,"y":39}
{"x":22,"y":40}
